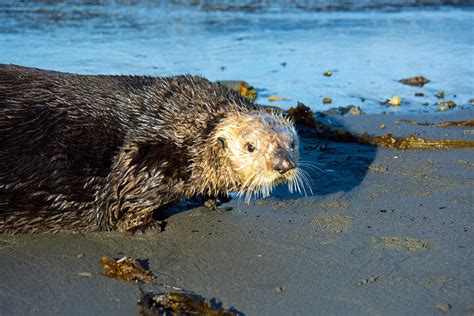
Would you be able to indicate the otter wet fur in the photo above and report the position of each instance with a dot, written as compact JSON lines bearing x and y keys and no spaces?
{"x":96,"y":152}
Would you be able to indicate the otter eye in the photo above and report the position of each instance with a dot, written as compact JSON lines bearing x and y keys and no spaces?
{"x":292,"y":146}
{"x":250,"y":148}
{"x":222,"y":142}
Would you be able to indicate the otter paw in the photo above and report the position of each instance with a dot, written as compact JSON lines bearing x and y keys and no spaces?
{"x":133,"y":222}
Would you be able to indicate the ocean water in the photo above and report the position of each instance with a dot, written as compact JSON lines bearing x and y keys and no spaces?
{"x":281,"y":48}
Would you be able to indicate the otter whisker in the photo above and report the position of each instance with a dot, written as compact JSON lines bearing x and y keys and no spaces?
{"x":311,"y":167}
{"x":301,"y":179}
{"x":297,"y":181}
{"x":251,"y":189}
{"x":306,"y":180}
{"x":312,"y":162}
{"x":315,"y":168}
{"x":290,"y":185}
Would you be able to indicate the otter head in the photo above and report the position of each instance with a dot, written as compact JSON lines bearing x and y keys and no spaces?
{"x":261,"y":150}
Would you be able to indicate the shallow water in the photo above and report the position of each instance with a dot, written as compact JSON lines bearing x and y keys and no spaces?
{"x":367,"y":45}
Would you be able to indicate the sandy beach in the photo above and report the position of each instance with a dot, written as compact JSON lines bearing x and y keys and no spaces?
{"x":385,"y":232}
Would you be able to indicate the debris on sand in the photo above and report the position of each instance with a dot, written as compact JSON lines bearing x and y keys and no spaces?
{"x":418,"y":81}
{"x":368,"y":280}
{"x":180,"y":304}
{"x":126,"y":269}
{"x":440,"y":94}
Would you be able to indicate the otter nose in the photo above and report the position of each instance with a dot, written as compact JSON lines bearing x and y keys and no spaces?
{"x":283,"y":162}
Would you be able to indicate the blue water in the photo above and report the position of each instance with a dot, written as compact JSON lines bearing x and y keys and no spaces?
{"x":367,"y":45}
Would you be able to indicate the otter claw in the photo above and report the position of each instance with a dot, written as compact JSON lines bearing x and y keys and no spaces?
{"x":214,"y":203}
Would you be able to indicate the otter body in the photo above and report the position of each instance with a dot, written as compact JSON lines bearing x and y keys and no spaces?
{"x":89,"y":152}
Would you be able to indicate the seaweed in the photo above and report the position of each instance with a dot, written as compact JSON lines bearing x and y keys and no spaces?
{"x":467,"y":123}
{"x":413,"y":142}
{"x":180,"y":304}
{"x":241,"y":87}
{"x":418,"y":81}
{"x":274,"y":98}
{"x":126,"y":269}
{"x":302,"y":114}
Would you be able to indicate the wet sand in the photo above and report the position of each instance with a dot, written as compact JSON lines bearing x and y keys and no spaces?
{"x":385,"y":232}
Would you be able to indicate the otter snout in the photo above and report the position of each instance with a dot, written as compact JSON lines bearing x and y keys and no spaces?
{"x":283,"y":162}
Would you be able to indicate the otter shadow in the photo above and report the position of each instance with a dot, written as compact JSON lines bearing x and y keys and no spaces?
{"x":332,"y":166}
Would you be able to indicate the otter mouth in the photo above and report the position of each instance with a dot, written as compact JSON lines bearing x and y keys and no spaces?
{"x":298,"y":181}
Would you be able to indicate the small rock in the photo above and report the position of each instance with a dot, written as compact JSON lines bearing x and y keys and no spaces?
{"x":470,"y":310}
{"x":327,"y":73}
{"x":419,"y":94}
{"x":446,"y":105}
{"x":278,"y":289}
{"x":394,"y":101}
{"x":355,"y":110}
{"x":382,"y":126}
{"x":327,"y":100}
{"x":443,"y":308}
{"x":343,"y":110}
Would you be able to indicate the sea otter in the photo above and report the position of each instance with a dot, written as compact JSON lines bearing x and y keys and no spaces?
{"x":96,"y":152}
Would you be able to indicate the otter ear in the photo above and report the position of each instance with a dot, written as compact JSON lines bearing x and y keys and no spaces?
{"x":222,"y":142}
